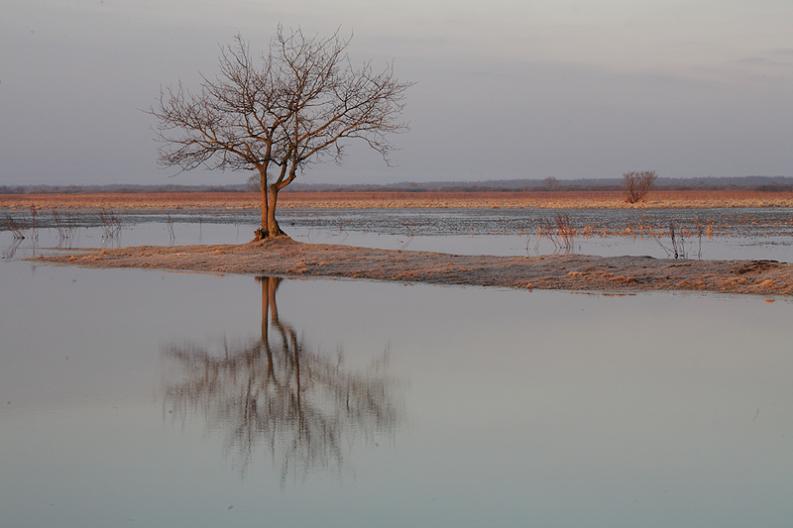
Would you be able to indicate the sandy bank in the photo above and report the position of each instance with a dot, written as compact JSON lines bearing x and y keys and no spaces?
{"x":395,"y":200}
{"x":560,"y":272}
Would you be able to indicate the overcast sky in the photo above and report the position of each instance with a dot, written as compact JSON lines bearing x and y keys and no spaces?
{"x":505,"y":88}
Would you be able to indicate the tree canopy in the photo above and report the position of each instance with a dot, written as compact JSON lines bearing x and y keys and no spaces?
{"x":301,"y":100}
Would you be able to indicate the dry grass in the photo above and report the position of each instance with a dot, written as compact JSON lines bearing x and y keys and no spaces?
{"x":564,"y":272}
{"x":393,"y":200}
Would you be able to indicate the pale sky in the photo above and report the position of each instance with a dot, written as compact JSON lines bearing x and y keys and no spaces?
{"x":505,"y":88}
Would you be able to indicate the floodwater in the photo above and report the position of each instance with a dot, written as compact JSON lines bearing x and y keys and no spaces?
{"x":701,"y":233}
{"x":147,"y":398}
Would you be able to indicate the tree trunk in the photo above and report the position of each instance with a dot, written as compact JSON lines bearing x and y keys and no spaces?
{"x":273,"y":229}
{"x":262,"y":232}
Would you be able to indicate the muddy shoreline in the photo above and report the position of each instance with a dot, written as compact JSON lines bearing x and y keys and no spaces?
{"x":285,"y":257}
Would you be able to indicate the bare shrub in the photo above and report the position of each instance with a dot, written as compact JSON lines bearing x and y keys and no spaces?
{"x":700,"y":230}
{"x":34,"y":223}
{"x":409,"y":234}
{"x":678,"y":248}
{"x":678,"y":241}
{"x":566,"y":231}
{"x":559,"y":231}
{"x":63,"y":226}
{"x":110,"y":223}
{"x":550,"y":184}
{"x":637,"y":184}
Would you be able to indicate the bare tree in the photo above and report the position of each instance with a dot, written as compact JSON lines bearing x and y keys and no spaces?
{"x":332,"y":101}
{"x":303,"y":99}
{"x":637,"y":184}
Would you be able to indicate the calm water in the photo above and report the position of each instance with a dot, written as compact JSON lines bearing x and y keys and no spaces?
{"x":726,"y":233}
{"x":146,"y":398}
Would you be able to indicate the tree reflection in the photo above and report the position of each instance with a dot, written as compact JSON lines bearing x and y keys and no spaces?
{"x":11,"y":250}
{"x":305,"y":408}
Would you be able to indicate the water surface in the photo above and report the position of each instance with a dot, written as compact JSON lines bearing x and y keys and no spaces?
{"x":147,"y":398}
{"x":706,"y":233}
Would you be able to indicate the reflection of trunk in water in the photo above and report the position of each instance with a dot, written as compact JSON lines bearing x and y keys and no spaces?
{"x":302,"y":406}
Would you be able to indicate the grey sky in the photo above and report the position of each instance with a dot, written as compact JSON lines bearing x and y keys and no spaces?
{"x":506,"y":88}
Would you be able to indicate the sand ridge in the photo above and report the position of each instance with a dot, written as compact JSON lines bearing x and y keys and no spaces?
{"x":285,"y":257}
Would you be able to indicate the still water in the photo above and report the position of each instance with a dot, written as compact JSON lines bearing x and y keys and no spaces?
{"x":146,"y":398}
{"x":706,"y":233}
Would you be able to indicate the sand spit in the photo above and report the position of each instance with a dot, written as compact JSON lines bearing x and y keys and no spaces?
{"x":397,"y":200}
{"x":559,"y":272}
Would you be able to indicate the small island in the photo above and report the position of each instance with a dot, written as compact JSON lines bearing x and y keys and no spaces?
{"x":285,"y":257}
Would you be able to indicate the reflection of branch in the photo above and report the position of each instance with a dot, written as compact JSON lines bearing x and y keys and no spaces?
{"x":169,"y":226}
{"x":11,"y":250}
{"x":300,"y":405}
{"x":64,"y":227}
{"x":10,"y":224}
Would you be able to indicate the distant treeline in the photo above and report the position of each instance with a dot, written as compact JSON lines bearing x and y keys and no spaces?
{"x":758,"y":183}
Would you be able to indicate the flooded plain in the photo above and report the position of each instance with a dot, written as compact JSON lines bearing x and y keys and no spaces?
{"x":147,"y":398}
{"x":729,"y":233}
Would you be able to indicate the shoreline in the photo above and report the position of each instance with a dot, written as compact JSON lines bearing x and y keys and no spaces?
{"x":659,"y":199}
{"x":285,"y":257}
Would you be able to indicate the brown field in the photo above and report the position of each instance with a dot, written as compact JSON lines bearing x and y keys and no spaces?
{"x":393,"y":200}
{"x":560,"y":272}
